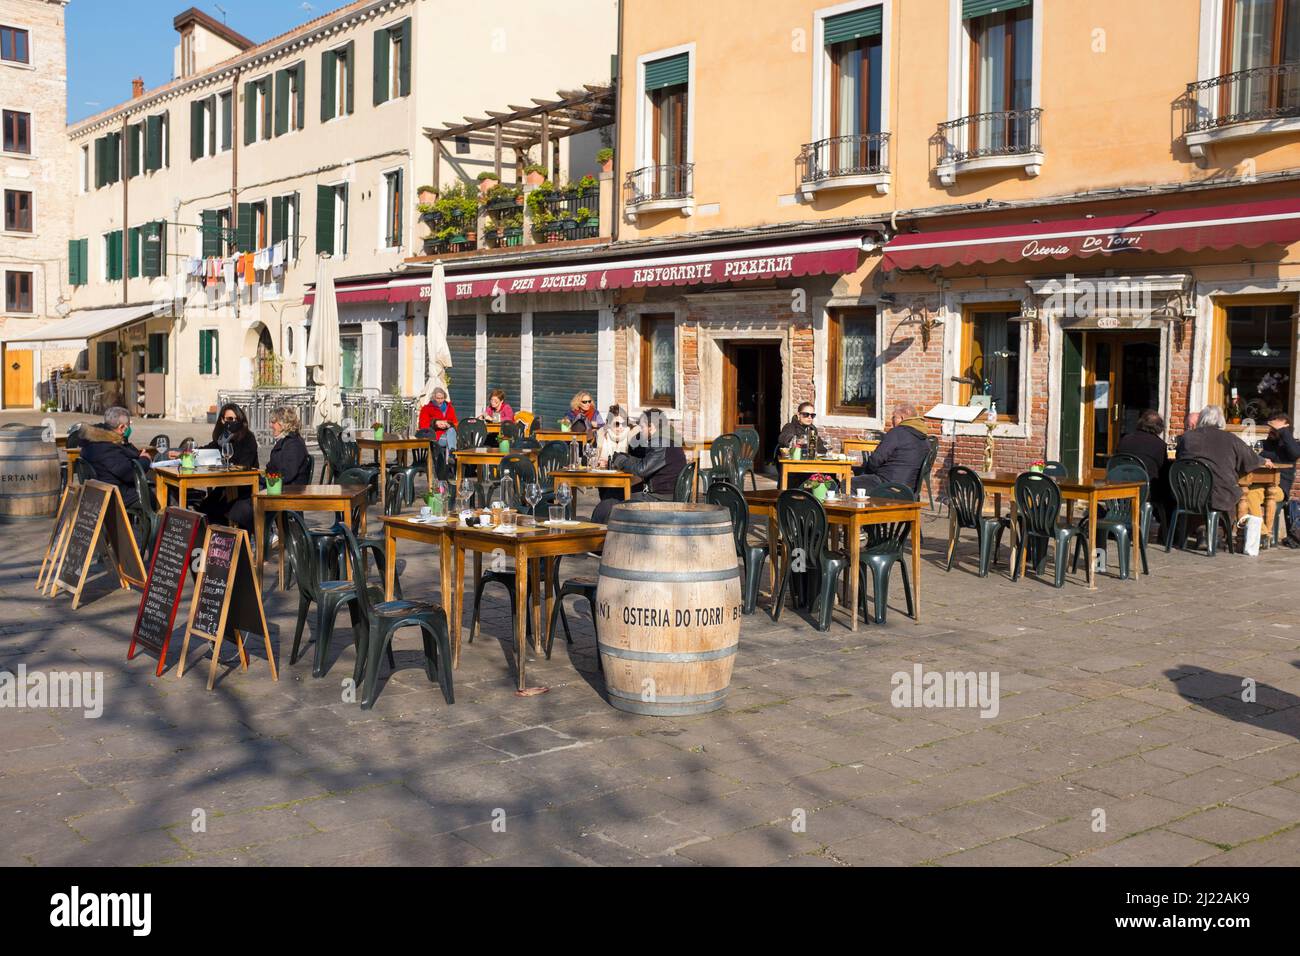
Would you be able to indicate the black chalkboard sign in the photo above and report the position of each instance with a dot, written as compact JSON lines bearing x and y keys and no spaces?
{"x":162,"y":595}
{"x":62,"y":522}
{"x":227,"y":599}
{"x":100,"y":521}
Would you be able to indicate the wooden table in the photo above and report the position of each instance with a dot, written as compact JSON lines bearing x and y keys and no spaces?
{"x":347,"y":499}
{"x":1093,"y":491}
{"x":202,"y":476}
{"x":843,"y":470}
{"x":543,"y":436}
{"x":526,"y":545}
{"x":1264,"y":478}
{"x":589,"y":478}
{"x":440,"y":533}
{"x":485,"y":457}
{"x":401,"y":446}
{"x":853,"y":514}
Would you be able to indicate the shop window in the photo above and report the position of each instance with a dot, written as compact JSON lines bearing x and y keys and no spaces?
{"x":158,"y":352}
{"x":990,"y":358}
{"x":658,"y":361}
{"x":106,"y":361}
{"x":1254,"y":357}
{"x":851,"y":358}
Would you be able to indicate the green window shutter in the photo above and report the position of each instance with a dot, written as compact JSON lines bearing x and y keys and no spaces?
{"x":158,"y":352}
{"x":133,"y":252}
{"x":133,"y":157}
{"x":151,"y":251}
{"x":115,"y":249}
{"x":114,"y":157}
{"x":980,"y":8}
{"x":404,"y":65}
{"x":83,"y":261}
{"x":244,"y":228}
{"x":670,"y":71}
{"x":279,"y":215}
{"x":268,"y":106}
{"x":204,"y":352}
{"x":100,"y":161}
{"x":382,"y":44}
{"x":250,"y":113}
{"x":351,"y":54}
{"x":292,"y":252}
{"x":153,"y":150}
{"x":301,"y":83}
{"x":74,"y":262}
{"x":211,"y":234}
{"x":325,"y":219}
{"x":1071,"y":399}
{"x":328,"y":90}
{"x":196,"y":129}
{"x":854,"y":25}
{"x":281,"y":102}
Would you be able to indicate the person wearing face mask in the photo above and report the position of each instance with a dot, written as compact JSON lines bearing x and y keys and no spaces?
{"x":107,"y":448}
{"x":232,"y":425}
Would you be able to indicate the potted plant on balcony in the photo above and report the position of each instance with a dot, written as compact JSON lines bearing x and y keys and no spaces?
{"x":584,"y":187}
{"x":486,"y":183}
{"x":585,"y":218}
{"x":606,"y":159}
{"x":534,"y":174}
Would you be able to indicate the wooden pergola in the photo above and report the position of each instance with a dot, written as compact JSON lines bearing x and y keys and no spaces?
{"x":543,"y":124}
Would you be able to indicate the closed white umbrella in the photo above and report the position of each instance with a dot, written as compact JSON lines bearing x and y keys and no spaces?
{"x":324,"y":354}
{"x":435,"y":335}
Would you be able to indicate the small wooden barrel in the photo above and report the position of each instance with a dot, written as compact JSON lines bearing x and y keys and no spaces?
{"x":29,"y":474}
{"x":668,"y":602}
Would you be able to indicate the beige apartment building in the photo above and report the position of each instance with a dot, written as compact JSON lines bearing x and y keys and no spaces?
{"x":1071,"y":211}
{"x":205,"y":208}
{"x":35,"y":173}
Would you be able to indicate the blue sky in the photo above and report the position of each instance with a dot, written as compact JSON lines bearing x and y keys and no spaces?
{"x":110,"y":42}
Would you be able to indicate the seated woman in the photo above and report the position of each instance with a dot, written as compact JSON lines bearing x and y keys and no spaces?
{"x":498,"y":409}
{"x":656,"y":459}
{"x":582,"y":413}
{"x":288,"y":459}
{"x":801,"y":430}
{"x":232,"y":427}
{"x":612,"y":440}
{"x":439,"y":417}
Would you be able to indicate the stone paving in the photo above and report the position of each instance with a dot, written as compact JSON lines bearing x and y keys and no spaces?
{"x":1121,"y":738}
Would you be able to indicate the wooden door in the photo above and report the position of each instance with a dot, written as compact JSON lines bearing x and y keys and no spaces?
{"x":18,"y":378}
{"x":1121,"y":380}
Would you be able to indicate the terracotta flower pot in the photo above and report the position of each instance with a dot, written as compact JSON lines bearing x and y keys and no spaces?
{"x":534,"y":179}
{"x":607,"y":166}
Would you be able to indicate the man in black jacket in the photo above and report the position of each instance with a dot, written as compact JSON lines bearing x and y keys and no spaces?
{"x":655,"y":458}
{"x":900,"y":454}
{"x":107,"y":449}
{"x":1281,"y":446}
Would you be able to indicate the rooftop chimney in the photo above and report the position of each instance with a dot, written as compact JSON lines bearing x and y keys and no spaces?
{"x":137,"y":88}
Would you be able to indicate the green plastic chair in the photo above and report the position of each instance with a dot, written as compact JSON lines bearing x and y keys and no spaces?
{"x":966,"y":510}
{"x":1117,"y":521}
{"x":685,"y":487}
{"x":1192,"y":485}
{"x":1038,"y":508}
{"x":724,"y":456}
{"x":752,"y":556}
{"x":144,"y":514}
{"x":802,"y":521}
{"x":749,"y":442}
{"x":509,"y":580}
{"x":513,"y":473}
{"x":471,"y":433}
{"x":554,"y":455}
{"x":380,"y":620}
{"x":881,"y":550}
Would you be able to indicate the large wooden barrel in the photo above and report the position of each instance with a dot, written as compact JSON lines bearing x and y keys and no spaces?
{"x":29,"y":474}
{"x":669,"y":602}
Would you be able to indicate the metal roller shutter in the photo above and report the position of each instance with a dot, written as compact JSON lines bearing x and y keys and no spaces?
{"x":564,"y":360}
{"x":503,"y":357}
{"x":460,"y":342}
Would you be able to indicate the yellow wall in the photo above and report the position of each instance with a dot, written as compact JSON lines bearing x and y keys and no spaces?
{"x":1112,"y":71}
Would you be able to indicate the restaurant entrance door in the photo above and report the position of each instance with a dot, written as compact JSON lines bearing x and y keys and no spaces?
{"x":751,"y":390}
{"x":1121,"y":380}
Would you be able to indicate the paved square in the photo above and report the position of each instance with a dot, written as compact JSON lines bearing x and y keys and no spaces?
{"x":1120,"y":737}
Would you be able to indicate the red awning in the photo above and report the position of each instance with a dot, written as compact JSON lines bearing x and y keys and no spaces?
{"x":368,"y":291}
{"x":825,"y":256}
{"x":1187,"y":230}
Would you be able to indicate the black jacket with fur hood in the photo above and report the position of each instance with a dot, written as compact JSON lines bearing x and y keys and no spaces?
{"x":111,"y":456}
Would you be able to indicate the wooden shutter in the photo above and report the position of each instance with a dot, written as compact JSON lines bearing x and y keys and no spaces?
{"x":74,"y":263}
{"x":382,"y":44}
{"x":351,"y":54}
{"x":133,"y":252}
{"x":114,"y":157}
{"x":461,"y":343}
{"x":196,"y":129}
{"x":83,"y":261}
{"x":325,"y":219}
{"x":281,"y":102}
{"x":151,"y":249}
{"x":979,"y":8}
{"x":205,"y":352}
{"x":153,"y":143}
{"x":1071,"y":400}
{"x":503,"y":355}
{"x":404,"y":64}
{"x":134,"y":149}
{"x":300,"y":78}
{"x":227,"y":106}
{"x":211,"y":224}
{"x":565,"y":359}
{"x":250,"y":113}
{"x":279,"y":218}
{"x":328,"y":89}
{"x":101,"y":161}
{"x":244,"y":228}
{"x":115,"y":250}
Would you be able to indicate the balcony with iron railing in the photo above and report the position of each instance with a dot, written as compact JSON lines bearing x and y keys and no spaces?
{"x":661,"y":187}
{"x":1260,"y":101}
{"x":845,"y":162}
{"x":1003,"y":139}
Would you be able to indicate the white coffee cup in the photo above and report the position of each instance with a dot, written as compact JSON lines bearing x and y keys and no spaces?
{"x":831,"y":494}
{"x":426,"y":512}
{"x":859,"y":492}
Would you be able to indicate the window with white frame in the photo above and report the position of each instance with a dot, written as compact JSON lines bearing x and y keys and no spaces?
{"x":664,"y":145}
{"x":1260,"y":58}
{"x":852,"y":94}
{"x":851,"y":361}
{"x":392,"y":210}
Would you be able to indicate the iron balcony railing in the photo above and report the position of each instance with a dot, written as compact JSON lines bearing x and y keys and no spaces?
{"x":1000,"y":133}
{"x":655,"y":183}
{"x":1262,"y":93}
{"x":862,"y":154}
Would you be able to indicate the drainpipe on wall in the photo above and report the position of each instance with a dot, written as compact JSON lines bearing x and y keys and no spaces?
{"x":618,"y":127}
{"x":124,"y":159}
{"x":234,"y":165}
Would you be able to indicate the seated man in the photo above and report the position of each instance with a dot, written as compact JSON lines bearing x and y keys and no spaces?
{"x":1228,"y":458}
{"x":107,"y":449}
{"x":655,"y":457}
{"x":801,"y":429}
{"x":900,"y":454}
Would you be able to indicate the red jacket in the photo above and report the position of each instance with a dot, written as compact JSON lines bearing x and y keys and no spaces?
{"x":430,"y":414}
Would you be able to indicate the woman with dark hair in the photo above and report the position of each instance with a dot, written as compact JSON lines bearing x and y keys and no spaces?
{"x":654,"y":456}
{"x":1147,"y":443}
{"x":232,"y":425}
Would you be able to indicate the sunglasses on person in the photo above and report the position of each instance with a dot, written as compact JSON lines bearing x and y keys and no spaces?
{"x":231,"y":420}
{"x":585,"y":401}
{"x":807,"y":415}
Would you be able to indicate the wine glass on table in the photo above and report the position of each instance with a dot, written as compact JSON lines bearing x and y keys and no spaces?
{"x":564,"y":496}
{"x":467,"y":492}
{"x":532,"y":495}
{"x":227,"y":450}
